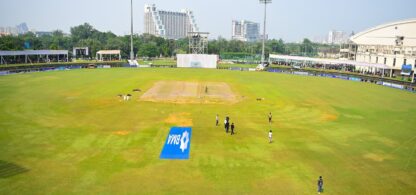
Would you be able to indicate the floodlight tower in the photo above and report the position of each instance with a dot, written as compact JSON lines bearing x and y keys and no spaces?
{"x":131,"y":35}
{"x":265,"y":2}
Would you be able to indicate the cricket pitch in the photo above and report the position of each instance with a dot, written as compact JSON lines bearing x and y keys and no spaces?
{"x":190,"y":92}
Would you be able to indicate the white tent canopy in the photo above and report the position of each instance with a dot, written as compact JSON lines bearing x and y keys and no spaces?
{"x":108,"y":52}
{"x":33,"y":52}
{"x":38,"y":53}
{"x":327,"y":61}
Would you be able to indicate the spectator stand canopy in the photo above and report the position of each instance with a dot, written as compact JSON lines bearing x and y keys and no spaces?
{"x":306,"y":60}
{"x":108,"y":55}
{"x":33,"y":56}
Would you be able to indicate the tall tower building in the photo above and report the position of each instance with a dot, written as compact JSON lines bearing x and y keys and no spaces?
{"x":245,"y":31}
{"x":22,"y":28}
{"x":337,"y":37}
{"x":168,"y":24}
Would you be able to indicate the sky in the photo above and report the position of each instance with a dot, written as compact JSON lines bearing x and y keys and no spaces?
{"x":291,"y":20}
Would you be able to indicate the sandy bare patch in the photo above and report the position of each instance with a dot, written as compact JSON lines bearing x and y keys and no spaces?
{"x":179,"y":119}
{"x":190,"y":92}
{"x":377,"y":157}
{"x":121,"y":132}
{"x":329,"y":117}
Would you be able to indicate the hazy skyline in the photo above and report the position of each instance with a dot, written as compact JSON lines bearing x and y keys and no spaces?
{"x":290,"y":20}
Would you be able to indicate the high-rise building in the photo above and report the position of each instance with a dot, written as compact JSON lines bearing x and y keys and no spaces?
{"x":18,"y":30}
{"x":22,"y":28}
{"x":168,"y":24}
{"x":337,"y":37}
{"x":3,"y":32}
{"x":245,"y":31}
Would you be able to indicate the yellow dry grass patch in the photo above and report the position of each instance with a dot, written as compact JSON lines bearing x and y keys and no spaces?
{"x":329,"y":117}
{"x":121,"y":133}
{"x":384,"y":140}
{"x":179,"y":119}
{"x":377,"y":157}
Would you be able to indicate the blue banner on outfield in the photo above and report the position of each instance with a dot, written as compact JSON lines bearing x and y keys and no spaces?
{"x":177,"y":144}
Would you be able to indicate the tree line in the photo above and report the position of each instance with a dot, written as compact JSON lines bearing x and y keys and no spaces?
{"x":147,"y":45}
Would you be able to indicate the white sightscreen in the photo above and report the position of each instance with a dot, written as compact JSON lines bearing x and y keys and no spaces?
{"x":196,"y":61}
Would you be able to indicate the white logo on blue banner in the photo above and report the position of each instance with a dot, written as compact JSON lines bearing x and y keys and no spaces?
{"x":177,"y":143}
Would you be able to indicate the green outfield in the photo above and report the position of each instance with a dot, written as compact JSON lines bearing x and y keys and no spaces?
{"x":68,"y":133}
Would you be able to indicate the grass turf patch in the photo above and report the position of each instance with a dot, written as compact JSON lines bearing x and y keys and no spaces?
{"x":67,"y":132}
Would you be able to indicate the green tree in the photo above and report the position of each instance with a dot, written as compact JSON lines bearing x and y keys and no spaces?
{"x":307,"y":47}
{"x":148,"y":50}
{"x":277,"y":46}
{"x":84,"y":31}
{"x":114,"y":43}
{"x":181,"y":45}
{"x":60,"y":40}
{"x":31,"y":40}
{"x":148,"y":45}
{"x":11,"y":43}
{"x":93,"y":44}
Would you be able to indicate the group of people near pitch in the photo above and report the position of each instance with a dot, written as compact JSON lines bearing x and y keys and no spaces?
{"x":227,"y":127}
{"x":126,"y":97}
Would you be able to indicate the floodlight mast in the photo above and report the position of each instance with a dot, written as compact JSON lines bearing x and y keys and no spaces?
{"x":265,"y":2}
{"x":131,"y":34}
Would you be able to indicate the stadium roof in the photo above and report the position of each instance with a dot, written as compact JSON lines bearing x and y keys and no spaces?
{"x":387,"y":34}
{"x":109,"y":52}
{"x":328,"y":61}
{"x":33,"y":52}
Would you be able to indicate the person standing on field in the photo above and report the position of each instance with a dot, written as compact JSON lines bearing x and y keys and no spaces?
{"x":232,"y":129}
{"x":270,"y":118}
{"x":216,"y":120}
{"x":320,"y":185}
{"x":270,"y":136}
{"x":225,"y":125}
